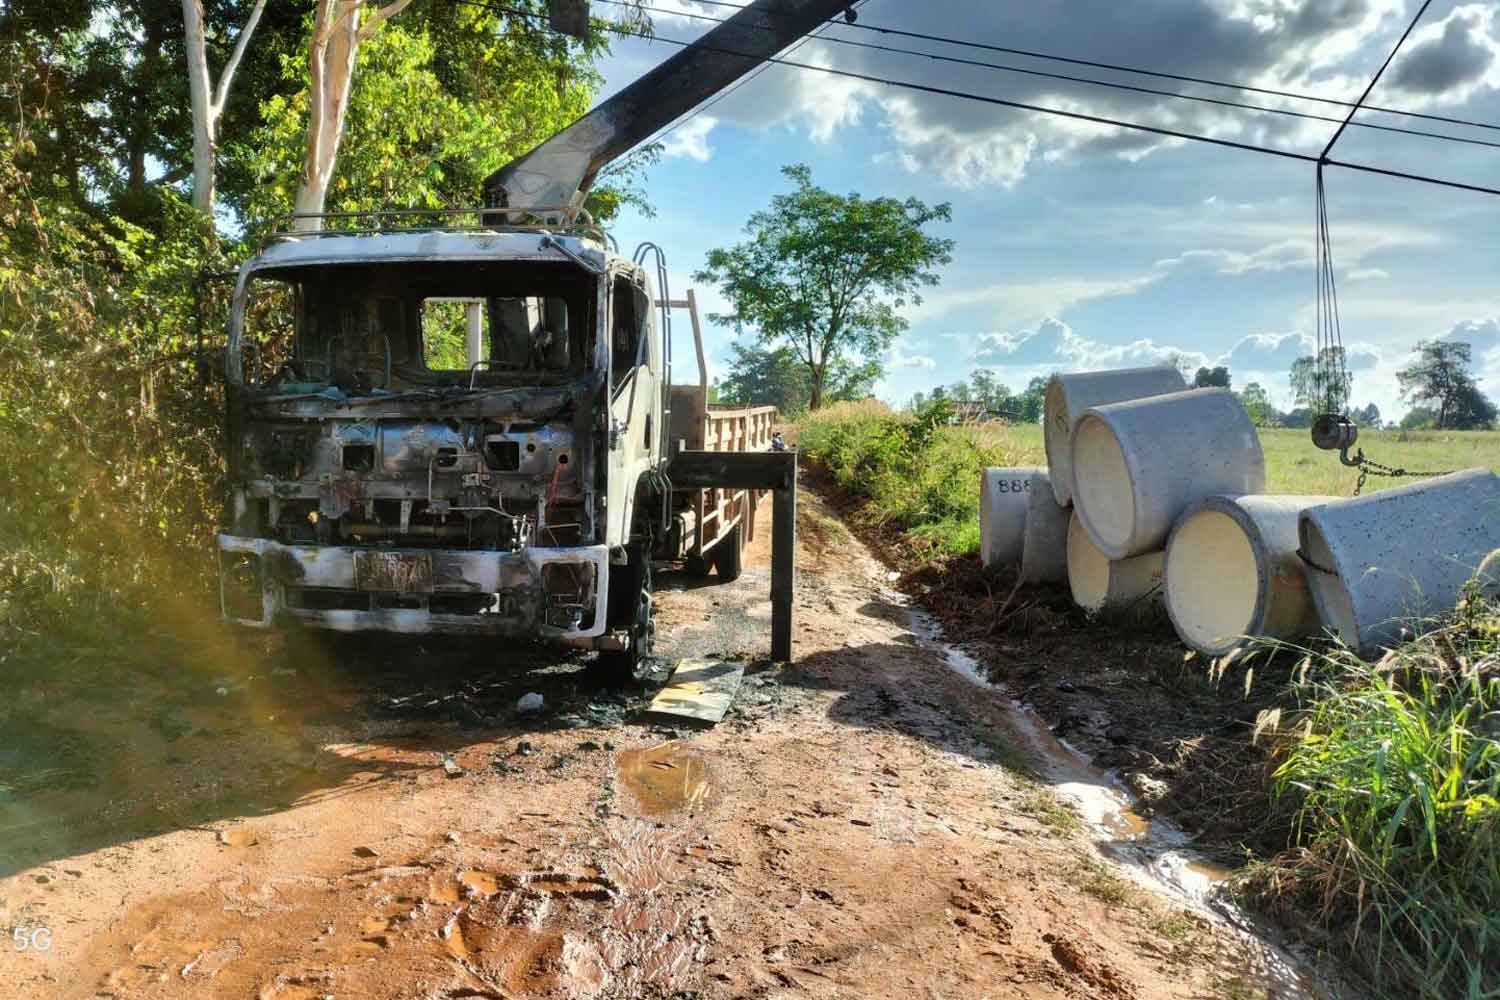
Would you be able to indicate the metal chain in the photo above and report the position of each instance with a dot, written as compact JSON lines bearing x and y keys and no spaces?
{"x":1369,"y":467}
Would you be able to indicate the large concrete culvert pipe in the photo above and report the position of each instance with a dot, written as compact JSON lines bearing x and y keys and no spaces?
{"x":1138,"y":464}
{"x":1232,"y":571}
{"x":1100,"y":583}
{"x":1069,"y":395}
{"x":1044,"y":553}
{"x":1382,"y":563}
{"x":1004,"y":495}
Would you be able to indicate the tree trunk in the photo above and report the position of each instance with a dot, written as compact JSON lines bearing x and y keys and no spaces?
{"x":815,"y":378}
{"x":200,"y":96}
{"x":208,"y":100}
{"x":337,"y":34}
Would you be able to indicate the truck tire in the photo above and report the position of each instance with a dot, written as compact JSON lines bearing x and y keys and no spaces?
{"x":696,"y":567}
{"x":729,"y":556}
{"x":630,"y":610}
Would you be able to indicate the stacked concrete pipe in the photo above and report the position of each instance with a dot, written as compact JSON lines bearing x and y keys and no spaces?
{"x":1383,"y":565}
{"x":1139,"y":464}
{"x":1068,"y":396}
{"x":1232,"y":571}
{"x":1044,"y":553}
{"x":1019,"y":522}
{"x":1100,"y":583}
{"x":1003,"y":498}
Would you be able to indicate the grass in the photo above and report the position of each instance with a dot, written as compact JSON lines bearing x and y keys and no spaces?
{"x":1394,"y":773}
{"x":1098,"y":880}
{"x":924,"y":478}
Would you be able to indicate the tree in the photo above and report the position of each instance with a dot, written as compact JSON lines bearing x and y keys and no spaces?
{"x":1418,"y":418}
{"x":469,"y":89}
{"x":1440,"y":375}
{"x":1257,"y":403}
{"x":1322,"y":383}
{"x":1033,"y":401}
{"x":208,"y":99}
{"x":1369,"y":416}
{"x":1211,"y":377}
{"x":759,"y":376}
{"x":825,"y":275}
{"x":332,"y":53}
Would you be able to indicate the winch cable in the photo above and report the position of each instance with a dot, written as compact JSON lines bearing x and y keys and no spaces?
{"x":1334,"y":429}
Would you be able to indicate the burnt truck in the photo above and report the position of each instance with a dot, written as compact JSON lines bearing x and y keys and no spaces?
{"x":465,"y":432}
{"x":463,"y":422}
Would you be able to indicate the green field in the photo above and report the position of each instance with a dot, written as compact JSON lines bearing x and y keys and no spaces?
{"x":1293,"y":465}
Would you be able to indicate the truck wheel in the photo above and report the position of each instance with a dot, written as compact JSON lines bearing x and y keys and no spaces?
{"x":729,"y":556}
{"x":695,"y":566}
{"x":630,"y":608}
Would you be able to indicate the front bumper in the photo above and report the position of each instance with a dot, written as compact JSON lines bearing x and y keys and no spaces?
{"x":470,"y":592}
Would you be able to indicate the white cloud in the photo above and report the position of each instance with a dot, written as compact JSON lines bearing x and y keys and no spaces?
{"x":691,"y":139}
{"x":1054,"y":343}
{"x":896,"y":360}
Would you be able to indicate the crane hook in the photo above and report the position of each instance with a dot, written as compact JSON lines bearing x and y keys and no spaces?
{"x":1334,"y":432}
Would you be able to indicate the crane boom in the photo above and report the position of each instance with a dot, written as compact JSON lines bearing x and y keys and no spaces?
{"x":555,"y":177}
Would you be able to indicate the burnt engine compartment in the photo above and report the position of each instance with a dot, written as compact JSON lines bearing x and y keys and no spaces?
{"x":487,"y":484}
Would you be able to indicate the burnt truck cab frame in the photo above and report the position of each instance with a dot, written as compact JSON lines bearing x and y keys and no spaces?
{"x":445,"y":432}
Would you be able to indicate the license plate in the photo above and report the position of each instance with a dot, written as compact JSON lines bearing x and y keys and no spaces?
{"x":393,"y":572}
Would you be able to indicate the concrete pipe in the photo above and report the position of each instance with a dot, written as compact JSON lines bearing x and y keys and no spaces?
{"x":1137,"y":465}
{"x":1069,"y":395}
{"x":1044,"y":553}
{"x":1382,"y":563}
{"x":1233,"y":571}
{"x":1003,"y":497}
{"x":1100,"y":583}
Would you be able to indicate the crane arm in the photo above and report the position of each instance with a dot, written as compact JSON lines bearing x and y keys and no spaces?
{"x":556,"y":175}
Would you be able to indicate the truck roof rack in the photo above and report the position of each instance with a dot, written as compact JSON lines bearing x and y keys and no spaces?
{"x":385,"y":221}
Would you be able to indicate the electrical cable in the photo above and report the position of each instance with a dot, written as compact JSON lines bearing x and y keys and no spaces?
{"x":1376,"y":78}
{"x":1119,"y":68}
{"x":1042,"y":109}
{"x":1090,"y":81}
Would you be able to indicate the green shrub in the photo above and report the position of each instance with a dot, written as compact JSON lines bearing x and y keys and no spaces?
{"x":921,"y":471}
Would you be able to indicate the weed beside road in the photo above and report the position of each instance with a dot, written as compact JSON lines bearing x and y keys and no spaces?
{"x":1394,"y":773}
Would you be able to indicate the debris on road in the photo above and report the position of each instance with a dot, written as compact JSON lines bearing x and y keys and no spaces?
{"x":700,"y":690}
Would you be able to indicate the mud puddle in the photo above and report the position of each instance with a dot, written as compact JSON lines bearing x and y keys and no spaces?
{"x":666,"y":778}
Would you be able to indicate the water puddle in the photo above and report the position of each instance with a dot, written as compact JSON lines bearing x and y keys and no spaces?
{"x":666,"y":778}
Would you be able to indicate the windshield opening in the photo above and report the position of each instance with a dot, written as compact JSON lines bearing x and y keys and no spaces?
{"x":370,"y":328}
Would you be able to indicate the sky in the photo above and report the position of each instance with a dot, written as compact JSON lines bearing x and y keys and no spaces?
{"x":1080,"y":246}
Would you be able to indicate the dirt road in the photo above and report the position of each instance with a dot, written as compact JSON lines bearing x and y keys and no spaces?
{"x":357,"y":820}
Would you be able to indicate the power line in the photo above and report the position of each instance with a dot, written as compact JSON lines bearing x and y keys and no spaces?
{"x":1376,"y":78}
{"x":1119,"y":68}
{"x":1110,"y":84}
{"x":1041,"y":109}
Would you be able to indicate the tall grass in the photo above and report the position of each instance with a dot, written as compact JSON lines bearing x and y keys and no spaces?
{"x":1394,"y":776}
{"x":921,"y":474}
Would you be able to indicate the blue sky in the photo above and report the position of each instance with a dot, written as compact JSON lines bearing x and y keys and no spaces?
{"x":1081,"y":247}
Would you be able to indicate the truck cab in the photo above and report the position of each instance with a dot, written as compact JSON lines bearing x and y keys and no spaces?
{"x":446,"y":431}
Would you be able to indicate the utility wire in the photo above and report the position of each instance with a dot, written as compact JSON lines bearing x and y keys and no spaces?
{"x":1376,"y":78}
{"x":1116,"y":67}
{"x":1110,"y":84}
{"x":1040,"y":109}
